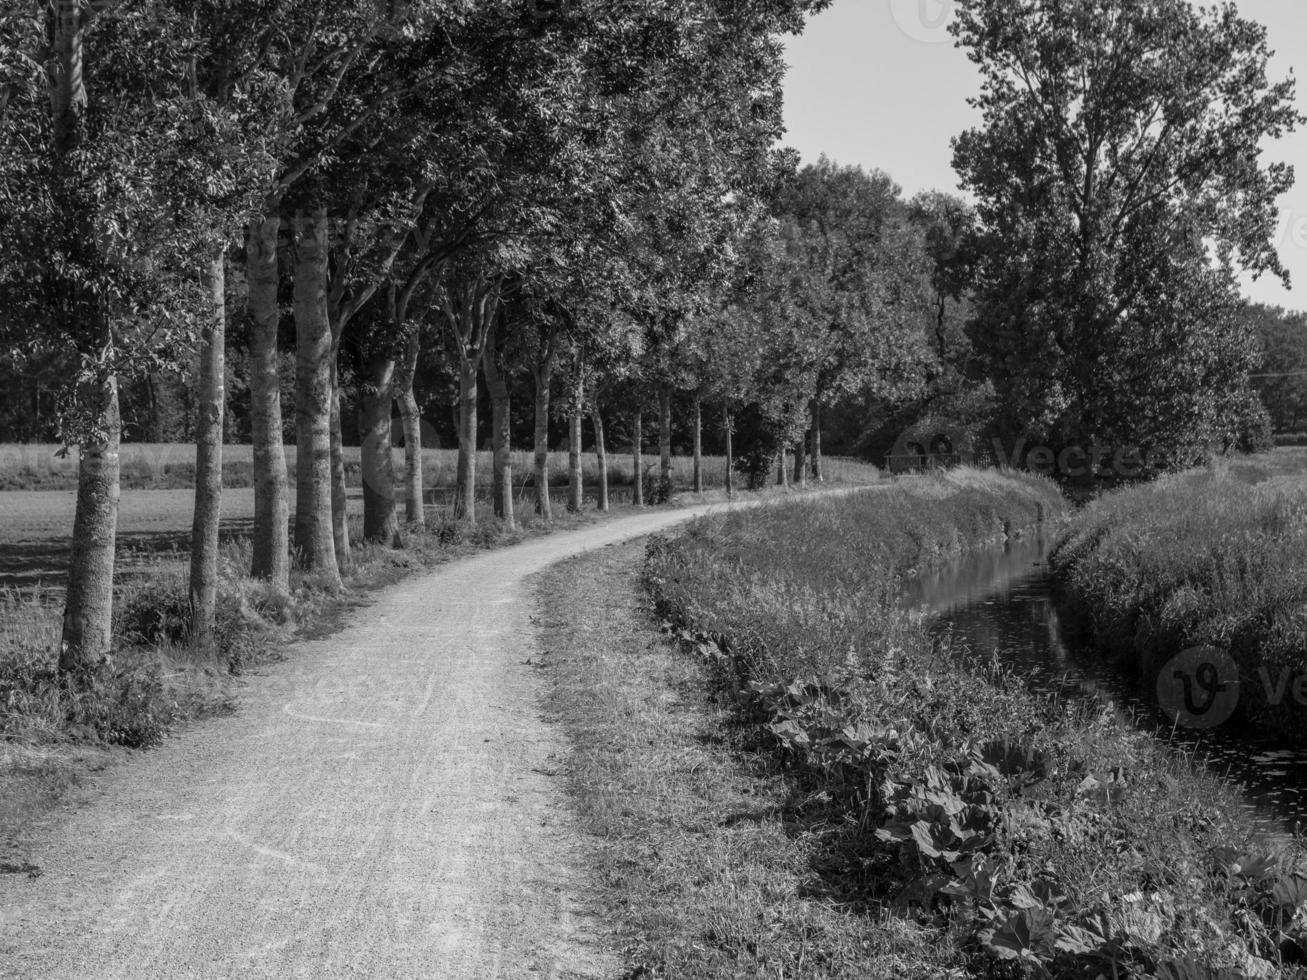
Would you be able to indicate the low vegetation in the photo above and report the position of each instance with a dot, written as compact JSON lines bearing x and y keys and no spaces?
{"x":1210,"y":558}
{"x":1008,"y":835}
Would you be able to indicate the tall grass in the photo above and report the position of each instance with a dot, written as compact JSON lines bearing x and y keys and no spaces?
{"x":1203,"y":558}
{"x":1020,"y":836}
{"x":166,"y":466}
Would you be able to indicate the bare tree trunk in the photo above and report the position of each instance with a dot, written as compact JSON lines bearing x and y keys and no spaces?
{"x":728,"y":428}
{"x":601,"y":454}
{"x":801,"y":461}
{"x":698,"y":443}
{"x":211,"y":398}
{"x":637,"y":458}
{"x":88,"y":610}
{"x":314,"y":538}
{"x":665,"y":436}
{"x":271,"y":544}
{"x":414,"y":509}
{"x":575,"y":473}
{"x":339,"y":492}
{"x":782,"y":471}
{"x":543,"y":374}
{"x":815,"y":437}
{"x":380,"y":522}
{"x":502,"y":429}
{"x":465,"y":496}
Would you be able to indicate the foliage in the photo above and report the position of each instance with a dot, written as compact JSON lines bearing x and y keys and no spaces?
{"x":1038,"y":840}
{"x":1119,"y":189}
{"x":1281,"y":380}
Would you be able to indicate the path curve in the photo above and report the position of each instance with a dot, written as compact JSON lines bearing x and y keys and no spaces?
{"x":387,"y":803}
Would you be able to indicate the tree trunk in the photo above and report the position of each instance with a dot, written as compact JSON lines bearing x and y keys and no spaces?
{"x":339,"y":492}
{"x":728,"y":427}
{"x":698,"y":443}
{"x":465,"y":496}
{"x":543,"y":376}
{"x":88,"y":610}
{"x":801,"y":461}
{"x":575,"y":472}
{"x":816,"y":443}
{"x":665,"y":436}
{"x":210,"y":395}
{"x":314,"y":538}
{"x":502,"y":430}
{"x":601,"y":455}
{"x":782,"y":472}
{"x":414,"y":506}
{"x":271,"y":545}
{"x":637,"y":458}
{"x":380,"y":521}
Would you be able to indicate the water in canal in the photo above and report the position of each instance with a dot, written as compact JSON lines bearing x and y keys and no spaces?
{"x":999,"y":602}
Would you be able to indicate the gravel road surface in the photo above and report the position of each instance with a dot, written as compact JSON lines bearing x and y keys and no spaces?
{"x":387,"y":803}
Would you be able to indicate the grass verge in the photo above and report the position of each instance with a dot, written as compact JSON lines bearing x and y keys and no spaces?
{"x":1011,"y":835}
{"x":700,"y":854}
{"x":1208,"y":558}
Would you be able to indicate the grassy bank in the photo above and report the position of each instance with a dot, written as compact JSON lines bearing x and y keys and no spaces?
{"x":704,"y":867}
{"x":1212,"y":558}
{"x":171,"y":466}
{"x":1003,"y":834}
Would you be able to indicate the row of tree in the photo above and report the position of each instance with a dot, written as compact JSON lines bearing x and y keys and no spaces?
{"x":583,"y":200}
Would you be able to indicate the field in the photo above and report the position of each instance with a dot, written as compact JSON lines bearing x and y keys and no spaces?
{"x":37,"y":498}
{"x":985,"y":831}
{"x":169,"y":466}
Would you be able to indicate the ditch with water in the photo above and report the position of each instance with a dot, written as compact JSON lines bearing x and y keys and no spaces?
{"x":998,"y":603}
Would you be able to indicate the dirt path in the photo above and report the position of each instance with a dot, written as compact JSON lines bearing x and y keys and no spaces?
{"x":385,"y":805}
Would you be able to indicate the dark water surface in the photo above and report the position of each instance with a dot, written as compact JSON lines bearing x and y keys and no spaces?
{"x":999,"y":603}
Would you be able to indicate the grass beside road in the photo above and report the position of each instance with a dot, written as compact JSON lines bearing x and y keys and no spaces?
{"x":706,"y":867}
{"x":1209,"y":558}
{"x":1005,"y":835}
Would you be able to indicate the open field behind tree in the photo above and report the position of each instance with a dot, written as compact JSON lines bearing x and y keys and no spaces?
{"x":166,"y":466}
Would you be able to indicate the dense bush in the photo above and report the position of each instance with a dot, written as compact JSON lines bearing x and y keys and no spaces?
{"x":1036,"y":840}
{"x":1197,"y":559}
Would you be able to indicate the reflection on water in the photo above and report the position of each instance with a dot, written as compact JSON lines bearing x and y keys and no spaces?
{"x":999,"y":603}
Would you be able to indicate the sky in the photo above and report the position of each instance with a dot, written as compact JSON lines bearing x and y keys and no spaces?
{"x":880,"y":84}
